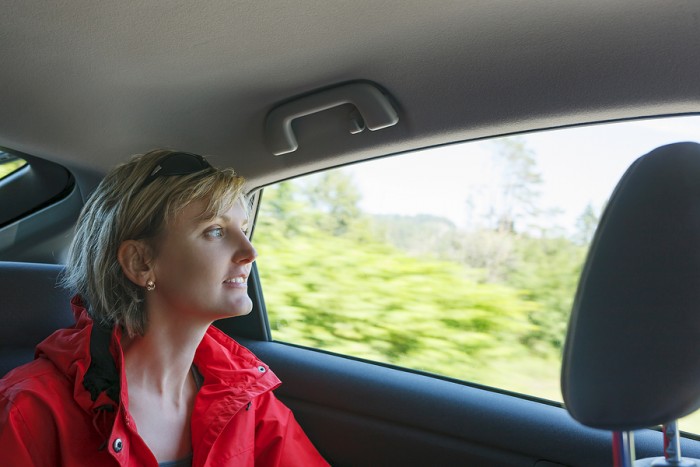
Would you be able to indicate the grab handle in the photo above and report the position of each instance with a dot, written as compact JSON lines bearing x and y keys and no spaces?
{"x":374,"y":109}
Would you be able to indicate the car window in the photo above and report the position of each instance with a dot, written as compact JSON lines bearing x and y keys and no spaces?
{"x":460,"y":260}
{"x":32,"y":184}
{"x":10,"y":164}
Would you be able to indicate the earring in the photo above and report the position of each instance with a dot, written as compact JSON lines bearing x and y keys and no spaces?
{"x":150,"y":285}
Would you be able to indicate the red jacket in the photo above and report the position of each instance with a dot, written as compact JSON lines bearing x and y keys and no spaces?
{"x":69,"y":407}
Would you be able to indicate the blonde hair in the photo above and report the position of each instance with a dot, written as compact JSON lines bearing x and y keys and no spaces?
{"x":122,"y":208}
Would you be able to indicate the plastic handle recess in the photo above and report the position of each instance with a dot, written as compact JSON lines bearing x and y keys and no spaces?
{"x":373,"y":106}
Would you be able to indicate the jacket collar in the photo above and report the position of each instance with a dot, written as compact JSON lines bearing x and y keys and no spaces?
{"x":102,"y":375}
{"x":91,"y":356}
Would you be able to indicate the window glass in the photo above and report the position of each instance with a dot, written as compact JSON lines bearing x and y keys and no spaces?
{"x":460,"y":260}
{"x":9,"y":164}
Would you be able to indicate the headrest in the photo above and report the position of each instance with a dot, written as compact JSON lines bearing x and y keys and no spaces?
{"x":632,"y":354}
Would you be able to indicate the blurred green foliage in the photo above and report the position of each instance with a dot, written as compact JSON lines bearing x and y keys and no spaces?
{"x":370,"y":300}
{"x":488,"y":305}
{"x":340,"y":280}
{"x":6,"y":168}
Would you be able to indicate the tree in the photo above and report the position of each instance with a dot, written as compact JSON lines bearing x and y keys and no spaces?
{"x":334,"y":195}
{"x":547,"y":271}
{"x":519,"y":183}
{"x":586,"y":224}
{"x":281,"y":211}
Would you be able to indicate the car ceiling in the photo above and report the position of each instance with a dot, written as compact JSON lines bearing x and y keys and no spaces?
{"x":87,"y":83}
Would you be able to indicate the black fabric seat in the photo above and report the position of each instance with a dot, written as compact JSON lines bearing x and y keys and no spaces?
{"x":32,"y":307}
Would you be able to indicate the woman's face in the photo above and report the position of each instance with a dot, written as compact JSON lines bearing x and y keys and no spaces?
{"x":201,"y":268}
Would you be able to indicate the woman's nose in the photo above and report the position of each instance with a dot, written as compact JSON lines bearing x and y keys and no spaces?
{"x":246,"y":253}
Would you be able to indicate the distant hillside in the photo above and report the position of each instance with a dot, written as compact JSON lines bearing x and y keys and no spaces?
{"x":417,"y":235}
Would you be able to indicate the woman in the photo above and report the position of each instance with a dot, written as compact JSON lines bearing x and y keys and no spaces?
{"x":160,"y":253}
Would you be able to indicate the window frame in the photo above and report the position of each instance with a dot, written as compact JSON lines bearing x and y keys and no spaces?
{"x":257,"y":293}
{"x":256,"y":325}
{"x":35,"y":186}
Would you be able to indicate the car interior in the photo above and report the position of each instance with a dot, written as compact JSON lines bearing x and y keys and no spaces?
{"x":284,"y":90}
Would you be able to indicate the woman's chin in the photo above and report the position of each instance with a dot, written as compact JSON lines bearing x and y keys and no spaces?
{"x":239,"y":309}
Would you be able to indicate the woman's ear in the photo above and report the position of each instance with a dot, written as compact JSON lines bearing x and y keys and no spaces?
{"x":134,"y":256}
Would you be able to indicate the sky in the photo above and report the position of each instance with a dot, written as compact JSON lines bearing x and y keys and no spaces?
{"x":578,"y":166}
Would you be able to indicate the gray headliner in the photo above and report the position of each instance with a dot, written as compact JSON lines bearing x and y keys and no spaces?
{"x":87,"y":83}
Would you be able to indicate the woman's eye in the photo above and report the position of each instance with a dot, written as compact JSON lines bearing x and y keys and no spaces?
{"x":216,"y":232}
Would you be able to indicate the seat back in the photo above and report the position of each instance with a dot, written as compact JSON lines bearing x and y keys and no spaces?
{"x":32,"y":307}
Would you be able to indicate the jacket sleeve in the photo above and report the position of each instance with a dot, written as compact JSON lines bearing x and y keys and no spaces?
{"x":279,"y":440}
{"x":16,"y":447}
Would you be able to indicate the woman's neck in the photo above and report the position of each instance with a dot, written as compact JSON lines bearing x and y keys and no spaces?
{"x":160,"y":385}
{"x":160,"y":361}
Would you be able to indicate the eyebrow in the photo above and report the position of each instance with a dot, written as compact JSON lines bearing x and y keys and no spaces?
{"x":227,"y":219}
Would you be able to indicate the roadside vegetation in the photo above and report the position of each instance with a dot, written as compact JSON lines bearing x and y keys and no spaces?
{"x":488,"y":305}
{"x":9,"y":165}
